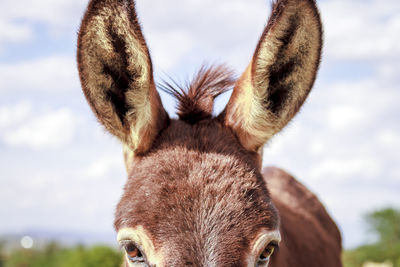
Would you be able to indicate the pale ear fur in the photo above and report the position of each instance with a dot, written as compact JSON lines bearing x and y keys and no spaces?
{"x":116,"y":73}
{"x":280,"y":76}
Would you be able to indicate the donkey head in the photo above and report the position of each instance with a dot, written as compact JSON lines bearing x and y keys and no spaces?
{"x":195,"y":194}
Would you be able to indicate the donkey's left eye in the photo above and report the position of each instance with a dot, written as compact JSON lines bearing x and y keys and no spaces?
{"x":134,"y":254}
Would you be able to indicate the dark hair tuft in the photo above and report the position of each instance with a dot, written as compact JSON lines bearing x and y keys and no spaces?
{"x":196,"y":99}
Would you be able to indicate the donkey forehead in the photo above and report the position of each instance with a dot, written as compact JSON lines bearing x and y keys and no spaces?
{"x":197,"y":208}
{"x":179,"y":189}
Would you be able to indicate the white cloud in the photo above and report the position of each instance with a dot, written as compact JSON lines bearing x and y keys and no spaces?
{"x":14,"y":114}
{"x":19,"y":19}
{"x":60,"y":12}
{"x":206,"y":29}
{"x":14,"y":32}
{"x":103,"y":167}
{"x":389,"y":71}
{"x":395,"y":174}
{"x":346,"y":168}
{"x":284,"y":140}
{"x":389,"y":138}
{"x":362,"y":30}
{"x":354,"y":30}
{"x":318,"y":147}
{"x":61,"y":200}
{"x":169,"y":48}
{"x":53,"y":73}
{"x":51,"y":130}
{"x":340,"y":117}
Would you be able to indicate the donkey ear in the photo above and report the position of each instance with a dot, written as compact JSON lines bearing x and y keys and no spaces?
{"x":116,"y":73}
{"x":282,"y":72}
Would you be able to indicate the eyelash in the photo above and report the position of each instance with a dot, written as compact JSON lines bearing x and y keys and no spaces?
{"x":124,"y":243}
{"x":275,"y":245}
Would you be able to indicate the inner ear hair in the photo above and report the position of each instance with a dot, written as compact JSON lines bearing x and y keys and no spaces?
{"x":280,"y":76}
{"x":116,"y":73}
{"x":287,"y":57}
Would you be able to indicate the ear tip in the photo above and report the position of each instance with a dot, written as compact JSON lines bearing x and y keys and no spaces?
{"x":282,"y":4}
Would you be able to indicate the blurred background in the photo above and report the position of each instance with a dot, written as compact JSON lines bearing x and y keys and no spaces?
{"x":61,"y":175}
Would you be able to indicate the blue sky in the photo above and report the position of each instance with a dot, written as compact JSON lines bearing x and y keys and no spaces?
{"x":61,"y":171}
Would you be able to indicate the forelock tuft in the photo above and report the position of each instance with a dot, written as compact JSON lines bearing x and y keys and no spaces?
{"x":196,"y":99}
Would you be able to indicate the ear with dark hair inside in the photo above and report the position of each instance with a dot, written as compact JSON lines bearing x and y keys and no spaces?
{"x":116,"y":73}
{"x":279,"y":78}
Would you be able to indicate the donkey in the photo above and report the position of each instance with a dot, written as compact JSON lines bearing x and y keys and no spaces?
{"x":196,"y":194}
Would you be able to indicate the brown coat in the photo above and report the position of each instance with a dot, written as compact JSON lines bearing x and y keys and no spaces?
{"x":307,"y":229}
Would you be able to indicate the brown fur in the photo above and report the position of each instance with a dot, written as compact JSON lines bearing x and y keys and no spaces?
{"x":308,"y":232}
{"x":203,"y":186}
{"x":195,"y":191}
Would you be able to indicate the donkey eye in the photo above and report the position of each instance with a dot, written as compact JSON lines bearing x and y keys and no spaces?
{"x":266,"y":254}
{"x":134,"y":253}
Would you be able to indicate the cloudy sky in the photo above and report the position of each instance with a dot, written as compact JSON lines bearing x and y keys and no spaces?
{"x":60,"y":171}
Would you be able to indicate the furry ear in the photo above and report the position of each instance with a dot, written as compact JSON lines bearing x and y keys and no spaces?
{"x":282,"y":72}
{"x":116,"y":73}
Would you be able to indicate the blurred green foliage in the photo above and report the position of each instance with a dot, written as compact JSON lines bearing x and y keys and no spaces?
{"x":385,"y":224}
{"x":55,"y":256}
